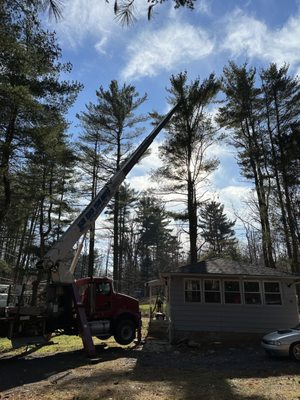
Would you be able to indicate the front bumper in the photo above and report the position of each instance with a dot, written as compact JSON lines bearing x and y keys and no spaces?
{"x":282,"y":350}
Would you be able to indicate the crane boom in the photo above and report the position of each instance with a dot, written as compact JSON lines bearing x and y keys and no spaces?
{"x":56,"y":259}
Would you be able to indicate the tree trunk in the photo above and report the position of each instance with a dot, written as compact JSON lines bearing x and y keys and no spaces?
{"x":279,"y":193}
{"x":289,"y":208}
{"x":192,"y":215}
{"x":4,"y":166}
{"x":262,"y":197}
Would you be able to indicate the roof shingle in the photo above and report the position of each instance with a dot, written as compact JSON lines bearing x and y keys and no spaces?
{"x":222,"y":266}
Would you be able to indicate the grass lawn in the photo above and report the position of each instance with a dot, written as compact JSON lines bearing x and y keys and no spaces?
{"x":63,"y":343}
{"x":145,"y":309}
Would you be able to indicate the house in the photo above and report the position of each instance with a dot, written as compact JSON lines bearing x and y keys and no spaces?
{"x":225,"y":298}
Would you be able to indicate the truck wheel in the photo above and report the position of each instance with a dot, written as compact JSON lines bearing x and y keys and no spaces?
{"x":125,"y":331}
{"x":103,"y":337}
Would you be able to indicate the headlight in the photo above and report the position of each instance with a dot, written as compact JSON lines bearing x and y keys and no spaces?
{"x":274,"y":342}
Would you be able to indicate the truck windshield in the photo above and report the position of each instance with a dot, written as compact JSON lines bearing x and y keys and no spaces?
{"x":103,"y":288}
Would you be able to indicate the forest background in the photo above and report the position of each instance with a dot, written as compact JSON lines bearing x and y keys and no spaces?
{"x":53,"y":163}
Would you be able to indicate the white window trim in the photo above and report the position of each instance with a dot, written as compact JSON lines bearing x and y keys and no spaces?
{"x":264,"y":292}
{"x":201,"y":290}
{"x":213,"y":291}
{"x":260,"y":286}
{"x":240,"y":292}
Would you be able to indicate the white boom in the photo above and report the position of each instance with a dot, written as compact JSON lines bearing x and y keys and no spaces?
{"x":58,"y":259}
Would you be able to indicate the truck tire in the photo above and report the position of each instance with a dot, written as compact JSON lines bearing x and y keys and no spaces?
{"x":103,"y":337}
{"x":125,"y":331}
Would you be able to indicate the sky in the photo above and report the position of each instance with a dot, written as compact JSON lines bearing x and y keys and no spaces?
{"x":199,"y":41}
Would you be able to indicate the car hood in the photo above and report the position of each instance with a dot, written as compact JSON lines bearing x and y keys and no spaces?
{"x":283,"y":334}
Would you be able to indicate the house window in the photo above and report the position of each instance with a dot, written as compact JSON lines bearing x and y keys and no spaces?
{"x":192,"y":291}
{"x":272,"y":293}
{"x":232,"y":292}
{"x":252,"y":292}
{"x":212,"y":292}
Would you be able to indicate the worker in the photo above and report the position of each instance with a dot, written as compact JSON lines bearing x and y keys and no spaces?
{"x":159,"y":304}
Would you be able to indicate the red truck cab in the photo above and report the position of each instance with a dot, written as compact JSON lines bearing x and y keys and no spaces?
{"x":108,"y":312}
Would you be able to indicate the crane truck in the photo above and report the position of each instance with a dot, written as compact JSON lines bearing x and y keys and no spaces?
{"x":89,"y":306}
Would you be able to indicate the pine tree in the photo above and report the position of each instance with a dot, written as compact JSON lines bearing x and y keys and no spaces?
{"x":114,"y":116}
{"x":281,"y":94}
{"x":33,"y":103}
{"x":216,"y":228}
{"x":126,"y":240}
{"x":184,"y":154}
{"x":242,"y":114}
{"x":158,"y":248}
{"x":90,"y":161}
{"x":262,"y":117}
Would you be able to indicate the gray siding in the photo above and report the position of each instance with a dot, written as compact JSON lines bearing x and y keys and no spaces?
{"x":231,"y":317}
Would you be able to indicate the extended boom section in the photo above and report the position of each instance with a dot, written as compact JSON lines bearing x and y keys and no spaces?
{"x":58,"y":257}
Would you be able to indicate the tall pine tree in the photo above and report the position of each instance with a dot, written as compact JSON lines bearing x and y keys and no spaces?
{"x":186,"y":164}
{"x":114,"y":117}
{"x":216,"y":229}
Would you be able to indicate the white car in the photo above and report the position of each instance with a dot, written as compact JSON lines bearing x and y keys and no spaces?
{"x":285,"y":343}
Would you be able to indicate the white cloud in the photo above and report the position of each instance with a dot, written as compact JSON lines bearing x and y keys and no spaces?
{"x":139,"y":178}
{"x":233,"y":198}
{"x":140,"y":183}
{"x":100,"y":46}
{"x":236,"y":193}
{"x":154,"y":51}
{"x":203,"y":7}
{"x":221,"y":150}
{"x":86,"y":18}
{"x":246,"y":34}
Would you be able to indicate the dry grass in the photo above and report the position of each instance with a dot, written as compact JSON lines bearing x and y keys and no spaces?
{"x":121,"y":379}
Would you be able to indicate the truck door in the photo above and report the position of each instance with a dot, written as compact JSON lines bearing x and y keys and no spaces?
{"x":103,"y":298}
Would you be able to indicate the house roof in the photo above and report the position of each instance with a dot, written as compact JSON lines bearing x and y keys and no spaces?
{"x":222,"y":266}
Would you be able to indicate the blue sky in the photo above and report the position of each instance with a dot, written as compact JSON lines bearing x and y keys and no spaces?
{"x":199,"y":41}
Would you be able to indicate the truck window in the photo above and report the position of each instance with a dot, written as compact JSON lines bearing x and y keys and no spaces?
{"x":103,"y":288}
{"x":82,"y":289}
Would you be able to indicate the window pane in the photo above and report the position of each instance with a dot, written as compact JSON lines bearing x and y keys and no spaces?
{"x":83,"y":290}
{"x":192,"y":290}
{"x":232,"y":298}
{"x":232,"y":286}
{"x":212,"y":284}
{"x":103,"y":288}
{"x":212,"y":297}
{"x":193,"y":297}
{"x":273,"y":299}
{"x":252,"y":298}
{"x":251,"y":286}
{"x":192,"y":285}
{"x":272,"y":287}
